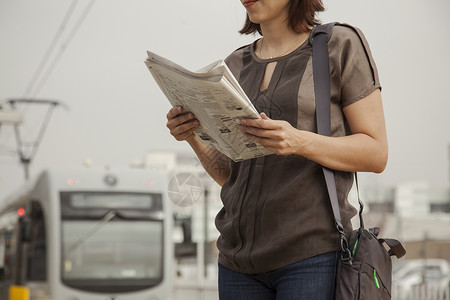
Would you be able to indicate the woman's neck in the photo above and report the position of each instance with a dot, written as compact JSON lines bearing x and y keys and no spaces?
{"x":278,"y":39}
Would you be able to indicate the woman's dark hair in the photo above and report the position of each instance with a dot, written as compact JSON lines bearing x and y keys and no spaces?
{"x":302,"y":14}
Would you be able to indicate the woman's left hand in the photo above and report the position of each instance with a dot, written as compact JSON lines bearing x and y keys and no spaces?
{"x":277,"y":136}
{"x":364,"y":150}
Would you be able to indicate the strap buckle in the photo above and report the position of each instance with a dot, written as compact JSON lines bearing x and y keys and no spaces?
{"x":346,"y":254}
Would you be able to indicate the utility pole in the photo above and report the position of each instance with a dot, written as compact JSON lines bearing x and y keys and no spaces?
{"x":18,"y":290}
{"x":27,"y":156}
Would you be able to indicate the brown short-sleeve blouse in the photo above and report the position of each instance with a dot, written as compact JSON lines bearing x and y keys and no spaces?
{"x":275,"y":208}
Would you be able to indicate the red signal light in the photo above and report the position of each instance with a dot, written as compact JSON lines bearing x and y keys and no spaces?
{"x":21,"y":211}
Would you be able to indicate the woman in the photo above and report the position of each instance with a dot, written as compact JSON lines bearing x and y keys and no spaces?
{"x":277,"y":234}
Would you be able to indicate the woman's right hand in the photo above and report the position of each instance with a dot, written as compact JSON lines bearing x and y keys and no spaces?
{"x":181,"y":125}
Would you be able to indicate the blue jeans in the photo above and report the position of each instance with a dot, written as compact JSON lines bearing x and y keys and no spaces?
{"x":309,"y":279}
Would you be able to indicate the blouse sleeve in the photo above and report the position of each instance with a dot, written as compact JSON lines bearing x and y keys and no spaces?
{"x":356,"y":71}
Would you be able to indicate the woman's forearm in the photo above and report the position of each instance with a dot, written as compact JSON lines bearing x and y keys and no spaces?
{"x":216,"y":164}
{"x":354,"y":153}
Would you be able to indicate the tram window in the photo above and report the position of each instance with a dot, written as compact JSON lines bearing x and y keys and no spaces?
{"x":36,"y":256}
{"x":121,"y":256}
{"x":2,"y":250}
{"x":94,"y":205}
{"x":2,"y":255}
{"x":8,"y":256}
{"x":110,"y":200}
{"x":108,"y":245}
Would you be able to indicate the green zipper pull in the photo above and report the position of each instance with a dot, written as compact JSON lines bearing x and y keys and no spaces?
{"x":376,"y":279}
{"x":354,"y":247}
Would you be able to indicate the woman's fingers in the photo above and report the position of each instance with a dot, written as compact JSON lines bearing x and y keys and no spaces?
{"x":184,"y":135}
{"x":174,"y":111}
{"x":181,"y":125}
{"x":180,"y":119}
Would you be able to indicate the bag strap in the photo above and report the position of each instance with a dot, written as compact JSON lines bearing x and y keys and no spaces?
{"x":321,"y":71}
{"x":319,"y":38}
{"x":321,"y":77}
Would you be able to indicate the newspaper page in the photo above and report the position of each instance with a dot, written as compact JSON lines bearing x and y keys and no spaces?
{"x":217,"y":101}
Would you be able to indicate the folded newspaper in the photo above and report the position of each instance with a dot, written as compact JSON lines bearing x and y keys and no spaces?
{"x":216,"y":99}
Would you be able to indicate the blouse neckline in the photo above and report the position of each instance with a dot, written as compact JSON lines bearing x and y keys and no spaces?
{"x":268,"y":60}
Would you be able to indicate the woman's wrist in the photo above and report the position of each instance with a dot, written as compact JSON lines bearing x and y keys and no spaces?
{"x":194,"y":142}
{"x":304,"y":143}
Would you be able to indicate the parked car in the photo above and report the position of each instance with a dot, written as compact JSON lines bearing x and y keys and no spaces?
{"x":413,"y":278}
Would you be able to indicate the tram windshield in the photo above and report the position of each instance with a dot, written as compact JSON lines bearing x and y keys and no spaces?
{"x":111,"y":242}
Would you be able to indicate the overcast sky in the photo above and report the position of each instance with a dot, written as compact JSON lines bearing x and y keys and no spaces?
{"x":116,"y":112}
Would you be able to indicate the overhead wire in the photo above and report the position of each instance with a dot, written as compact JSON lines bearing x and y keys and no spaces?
{"x":64,"y":47}
{"x":50,"y":48}
{"x":29,"y":92}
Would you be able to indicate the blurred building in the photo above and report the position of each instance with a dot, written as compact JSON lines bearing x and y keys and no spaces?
{"x":416,"y":213}
{"x":196,"y":201}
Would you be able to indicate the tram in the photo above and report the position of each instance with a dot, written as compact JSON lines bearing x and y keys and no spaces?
{"x":86,"y":234}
